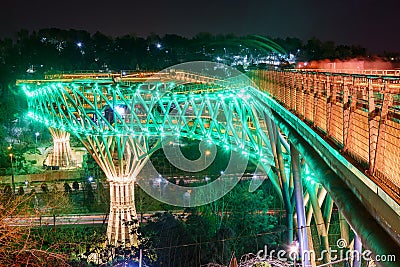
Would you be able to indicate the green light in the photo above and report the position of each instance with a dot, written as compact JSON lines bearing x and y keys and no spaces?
{"x":201,"y":113}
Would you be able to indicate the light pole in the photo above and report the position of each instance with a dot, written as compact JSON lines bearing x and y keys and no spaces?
{"x":37,"y":135}
{"x":12,"y":173}
{"x":207,"y":153}
{"x":159,"y":180}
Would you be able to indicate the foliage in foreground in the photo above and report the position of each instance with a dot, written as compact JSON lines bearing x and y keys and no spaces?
{"x":236,"y":223}
{"x":19,"y":246}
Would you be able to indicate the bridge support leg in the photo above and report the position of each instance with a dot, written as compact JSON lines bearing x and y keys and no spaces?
{"x":300,"y":210}
{"x":344,"y":228}
{"x":372,"y":234}
{"x":121,"y":158}
{"x":122,"y":219}
{"x":358,"y":250}
{"x":62,"y":155}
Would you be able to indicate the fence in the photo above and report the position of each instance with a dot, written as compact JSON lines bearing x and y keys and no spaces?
{"x":360,"y":114}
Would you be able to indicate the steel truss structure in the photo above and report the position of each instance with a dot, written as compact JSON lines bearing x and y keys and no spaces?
{"x":122,"y":120}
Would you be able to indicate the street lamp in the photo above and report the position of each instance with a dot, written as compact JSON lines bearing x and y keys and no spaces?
{"x":12,"y":172}
{"x":37,"y":135}
{"x":207,"y":153}
{"x":158,"y":182}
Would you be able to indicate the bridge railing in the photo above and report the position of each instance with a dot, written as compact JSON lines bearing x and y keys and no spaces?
{"x":95,"y":74}
{"x":355,"y":71}
{"x":209,"y":83}
{"x":359,"y":114}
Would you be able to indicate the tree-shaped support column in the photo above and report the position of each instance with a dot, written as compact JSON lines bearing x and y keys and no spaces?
{"x":62,"y":154}
{"x":121,"y":158}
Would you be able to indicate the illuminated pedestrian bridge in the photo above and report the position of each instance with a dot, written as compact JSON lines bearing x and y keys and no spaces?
{"x":322,"y":139}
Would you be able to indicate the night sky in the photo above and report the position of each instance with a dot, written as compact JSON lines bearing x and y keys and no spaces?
{"x":374,"y":24}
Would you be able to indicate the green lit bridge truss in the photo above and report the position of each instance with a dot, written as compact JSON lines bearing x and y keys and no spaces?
{"x":122,"y":121}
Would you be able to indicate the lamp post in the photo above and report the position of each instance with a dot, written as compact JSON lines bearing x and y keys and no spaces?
{"x":12,"y":173}
{"x":159,"y":181}
{"x":207,"y":153}
{"x":37,"y":135}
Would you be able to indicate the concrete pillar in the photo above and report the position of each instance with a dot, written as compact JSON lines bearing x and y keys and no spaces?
{"x":122,"y":210}
{"x":62,"y":154}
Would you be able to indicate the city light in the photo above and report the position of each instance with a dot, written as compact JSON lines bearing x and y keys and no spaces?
{"x":120,"y":110}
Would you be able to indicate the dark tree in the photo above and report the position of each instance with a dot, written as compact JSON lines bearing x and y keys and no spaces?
{"x":67,"y":188}
{"x":44,"y":188}
{"x":89,"y":196}
{"x":75,"y":185}
{"x":7,"y":190}
{"x":21,"y":191}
